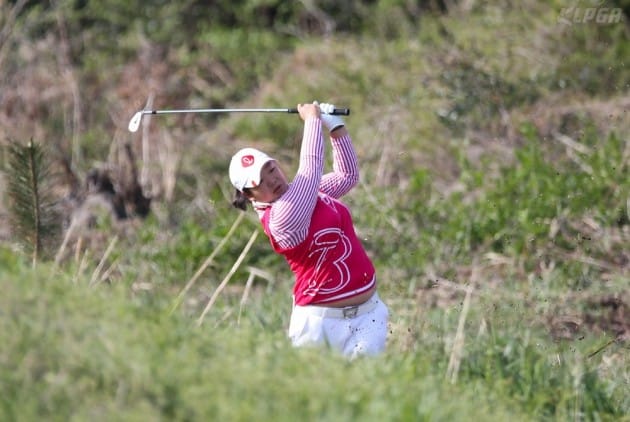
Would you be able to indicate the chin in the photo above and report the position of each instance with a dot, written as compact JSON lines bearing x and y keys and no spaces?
{"x":281,"y":192}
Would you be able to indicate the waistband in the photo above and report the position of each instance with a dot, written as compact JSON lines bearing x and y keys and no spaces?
{"x":346,"y":312}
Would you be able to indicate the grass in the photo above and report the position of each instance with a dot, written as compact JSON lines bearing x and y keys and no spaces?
{"x":76,"y":351}
{"x":71,"y":352}
{"x":494,"y":161}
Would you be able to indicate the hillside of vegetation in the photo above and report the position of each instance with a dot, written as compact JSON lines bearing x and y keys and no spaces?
{"x":493,"y":140}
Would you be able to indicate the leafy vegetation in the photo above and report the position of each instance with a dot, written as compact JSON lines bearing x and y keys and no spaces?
{"x":493,"y":144}
{"x":34,"y":220}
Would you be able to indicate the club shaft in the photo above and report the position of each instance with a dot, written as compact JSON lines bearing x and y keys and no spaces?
{"x":337,"y":111}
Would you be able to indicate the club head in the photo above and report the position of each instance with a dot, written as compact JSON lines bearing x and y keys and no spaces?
{"x":134,"y":123}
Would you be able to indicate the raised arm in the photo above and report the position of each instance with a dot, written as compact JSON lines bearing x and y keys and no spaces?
{"x":345,"y":174}
{"x":291,"y":213}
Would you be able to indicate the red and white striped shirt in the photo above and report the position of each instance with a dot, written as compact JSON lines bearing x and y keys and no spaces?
{"x":322,"y":249}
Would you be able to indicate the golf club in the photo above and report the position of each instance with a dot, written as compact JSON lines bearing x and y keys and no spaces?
{"x":134,"y":123}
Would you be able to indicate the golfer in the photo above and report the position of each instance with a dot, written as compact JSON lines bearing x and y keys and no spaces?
{"x":335,"y":302}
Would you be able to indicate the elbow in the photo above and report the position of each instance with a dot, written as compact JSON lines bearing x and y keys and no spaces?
{"x":349,"y":181}
{"x":352,"y":179}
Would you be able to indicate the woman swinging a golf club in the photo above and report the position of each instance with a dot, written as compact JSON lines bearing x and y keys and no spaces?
{"x":335,"y":302}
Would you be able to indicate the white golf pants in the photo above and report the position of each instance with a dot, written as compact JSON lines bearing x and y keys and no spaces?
{"x":352,"y":331}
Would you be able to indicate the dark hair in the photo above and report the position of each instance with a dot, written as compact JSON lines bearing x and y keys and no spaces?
{"x":241,"y":199}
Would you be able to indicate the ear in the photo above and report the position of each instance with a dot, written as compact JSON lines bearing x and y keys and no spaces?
{"x":247,"y":193}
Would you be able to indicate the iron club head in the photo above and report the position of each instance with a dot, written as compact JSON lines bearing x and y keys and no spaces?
{"x":134,"y":123}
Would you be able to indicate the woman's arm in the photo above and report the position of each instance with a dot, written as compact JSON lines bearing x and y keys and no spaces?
{"x":345,"y":174}
{"x":291,"y":213}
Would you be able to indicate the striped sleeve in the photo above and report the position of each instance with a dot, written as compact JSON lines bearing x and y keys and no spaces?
{"x":291,"y":214}
{"x":345,"y":174}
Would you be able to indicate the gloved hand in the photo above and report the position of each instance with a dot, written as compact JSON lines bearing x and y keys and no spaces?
{"x":330,"y":121}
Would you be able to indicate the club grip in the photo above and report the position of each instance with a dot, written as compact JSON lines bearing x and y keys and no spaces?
{"x":336,"y":112}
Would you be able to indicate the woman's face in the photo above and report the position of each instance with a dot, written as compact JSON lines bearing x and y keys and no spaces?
{"x":273,"y":183}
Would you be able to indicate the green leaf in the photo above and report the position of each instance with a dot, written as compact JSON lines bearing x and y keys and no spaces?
{"x":31,"y":209}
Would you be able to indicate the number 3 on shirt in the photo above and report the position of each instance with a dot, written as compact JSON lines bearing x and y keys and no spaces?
{"x":332,"y":248}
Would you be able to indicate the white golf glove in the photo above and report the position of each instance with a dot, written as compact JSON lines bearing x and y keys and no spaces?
{"x":332,"y":122}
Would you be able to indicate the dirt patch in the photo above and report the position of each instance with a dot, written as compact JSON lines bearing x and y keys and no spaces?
{"x":572,"y":316}
{"x":603,"y":314}
{"x":609,"y":314}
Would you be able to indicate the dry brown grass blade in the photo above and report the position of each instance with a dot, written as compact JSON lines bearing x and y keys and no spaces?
{"x":600,"y":348}
{"x":248,"y":286}
{"x":458,"y":342}
{"x":8,"y":25}
{"x":144,"y":172}
{"x":228,"y":276}
{"x":81,"y":263}
{"x":66,"y":240}
{"x":207,"y":262}
{"x":253,"y":273}
{"x":106,"y":274}
{"x":71,"y":79}
{"x":97,"y":271}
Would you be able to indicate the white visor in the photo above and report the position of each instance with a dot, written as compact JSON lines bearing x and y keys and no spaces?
{"x":245,"y":168}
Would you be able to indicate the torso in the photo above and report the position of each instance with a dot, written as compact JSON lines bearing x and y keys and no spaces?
{"x":331,"y":266}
